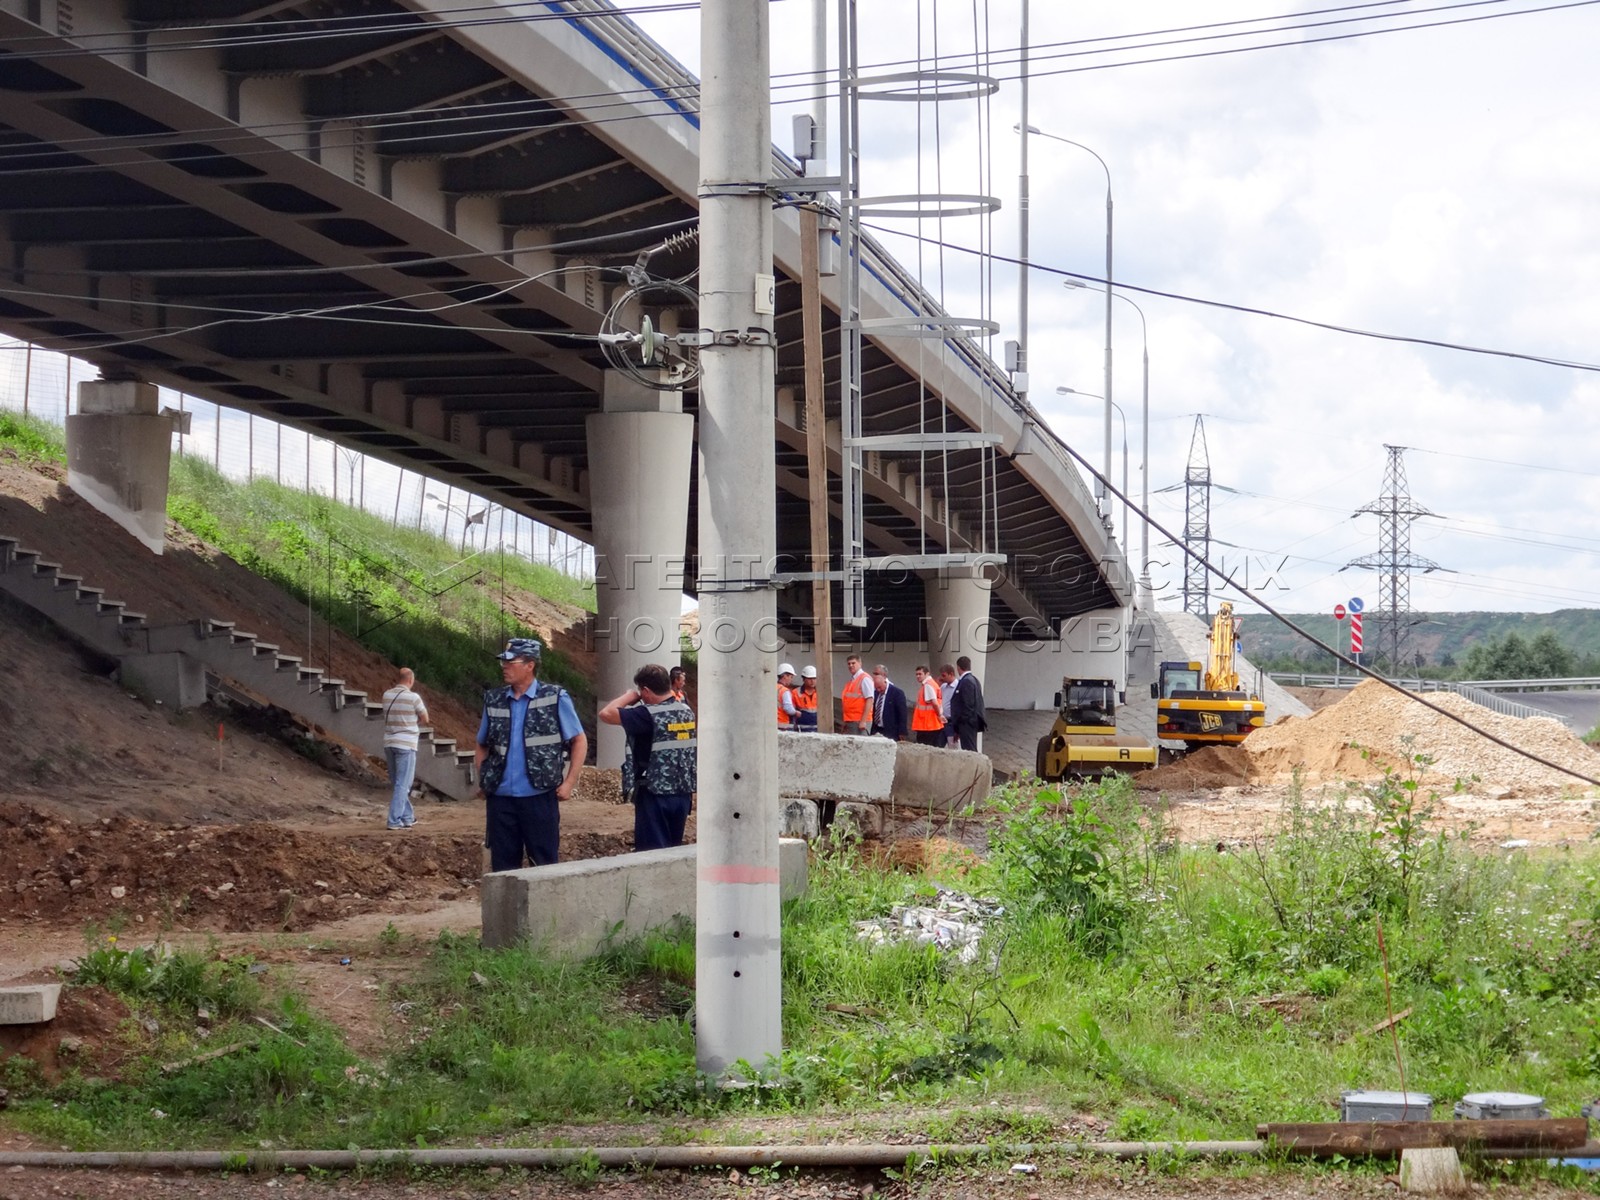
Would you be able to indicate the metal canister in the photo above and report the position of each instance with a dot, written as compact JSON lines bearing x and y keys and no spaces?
{"x":1501,"y":1106}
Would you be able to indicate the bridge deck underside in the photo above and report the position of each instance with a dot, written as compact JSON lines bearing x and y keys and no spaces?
{"x":383,"y":236}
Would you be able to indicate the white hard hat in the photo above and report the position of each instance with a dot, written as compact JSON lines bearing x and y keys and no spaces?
{"x":808,"y":673}
{"x":785,"y":669}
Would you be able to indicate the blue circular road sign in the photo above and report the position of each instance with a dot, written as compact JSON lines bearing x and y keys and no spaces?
{"x":1357,"y":604}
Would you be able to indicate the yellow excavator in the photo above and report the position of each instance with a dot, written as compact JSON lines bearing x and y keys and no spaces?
{"x":1206,"y":705}
{"x":1083,"y":742}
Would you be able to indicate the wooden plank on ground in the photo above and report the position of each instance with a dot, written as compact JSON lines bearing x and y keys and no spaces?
{"x":1327,"y":1138}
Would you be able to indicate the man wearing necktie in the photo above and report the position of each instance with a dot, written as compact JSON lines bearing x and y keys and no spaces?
{"x":889,"y":715}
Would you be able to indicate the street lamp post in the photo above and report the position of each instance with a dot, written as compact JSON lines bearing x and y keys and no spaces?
{"x":468,"y":518}
{"x":1106,"y":459}
{"x":1066,"y":391}
{"x":1145,"y":589}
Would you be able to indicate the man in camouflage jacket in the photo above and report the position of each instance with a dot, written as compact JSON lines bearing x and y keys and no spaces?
{"x":658,"y":766}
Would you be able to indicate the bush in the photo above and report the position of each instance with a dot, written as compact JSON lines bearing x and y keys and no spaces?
{"x":1071,"y":854}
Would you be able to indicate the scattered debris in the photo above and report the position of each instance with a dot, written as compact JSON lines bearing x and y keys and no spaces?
{"x":954,"y":922}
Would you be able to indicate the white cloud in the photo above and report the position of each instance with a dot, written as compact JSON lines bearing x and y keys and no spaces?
{"x":1437,"y":184}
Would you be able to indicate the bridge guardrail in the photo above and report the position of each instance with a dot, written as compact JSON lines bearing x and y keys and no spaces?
{"x":1482,"y":692}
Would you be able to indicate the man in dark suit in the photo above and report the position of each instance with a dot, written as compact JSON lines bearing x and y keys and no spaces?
{"x":966,"y":706}
{"x":890,"y":717}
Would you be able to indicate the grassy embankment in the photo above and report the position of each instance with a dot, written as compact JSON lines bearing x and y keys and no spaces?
{"x":403,"y":592}
{"x":1173,"y":992}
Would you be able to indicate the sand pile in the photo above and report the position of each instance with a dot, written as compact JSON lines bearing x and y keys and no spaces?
{"x":1376,"y":718}
{"x":1205,"y":770}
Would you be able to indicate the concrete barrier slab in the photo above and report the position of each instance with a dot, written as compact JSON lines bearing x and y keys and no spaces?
{"x":930,"y":778}
{"x":572,"y":908}
{"x":836,"y":767}
{"x":29,"y":1004}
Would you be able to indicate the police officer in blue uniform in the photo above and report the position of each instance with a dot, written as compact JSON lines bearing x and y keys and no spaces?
{"x":658,"y":764}
{"x":531,"y":748}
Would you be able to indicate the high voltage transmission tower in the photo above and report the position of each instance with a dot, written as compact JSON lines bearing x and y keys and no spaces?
{"x":1394,"y":561}
{"x":1197,"y":524}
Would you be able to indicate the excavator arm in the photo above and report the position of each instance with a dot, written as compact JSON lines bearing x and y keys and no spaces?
{"x":1222,"y":673}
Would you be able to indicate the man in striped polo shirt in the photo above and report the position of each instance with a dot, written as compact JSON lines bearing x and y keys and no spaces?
{"x":404,"y":714}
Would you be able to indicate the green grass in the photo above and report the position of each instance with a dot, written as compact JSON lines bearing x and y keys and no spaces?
{"x":405,"y":593}
{"x":31,"y":439}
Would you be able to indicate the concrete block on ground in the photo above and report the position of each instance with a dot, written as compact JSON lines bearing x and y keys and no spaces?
{"x":836,"y":767}
{"x":866,"y":819}
{"x":176,"y":680}
{"x":29,"y":1003}
{"x":1433,"y":1170}
{"x":801,"y":818}
{"x":571,"y":908}
{"x":794,"y":867}
{"x":931,"y":778}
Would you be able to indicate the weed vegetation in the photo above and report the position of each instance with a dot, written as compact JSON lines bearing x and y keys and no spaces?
{"x":409,"y":595}
{"x":1174,"y":993}
{"x":31,"y":439}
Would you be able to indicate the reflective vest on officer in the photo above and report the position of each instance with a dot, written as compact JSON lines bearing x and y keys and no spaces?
{"x":670,"y":769}
{"x":543,"y":747}
{"x":805,"y":704}
{"x":854,"y":701}
{"x":928,"y":714}
{"x":784,"y":720}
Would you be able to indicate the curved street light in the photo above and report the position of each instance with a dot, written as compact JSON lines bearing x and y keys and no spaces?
{"x":1066,"y":391}
{"x":468,"y":517}
{"x":1025,"y":130}
{"x":1146,"y":598}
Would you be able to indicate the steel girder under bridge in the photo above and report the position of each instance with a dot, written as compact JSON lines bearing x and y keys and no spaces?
{"x":187,"y":180}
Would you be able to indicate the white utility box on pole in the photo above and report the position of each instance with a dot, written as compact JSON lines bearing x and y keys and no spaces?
{"x":737,"y":950}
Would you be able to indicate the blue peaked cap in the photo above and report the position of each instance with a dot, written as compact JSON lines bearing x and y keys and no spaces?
{"x":521,"y":648}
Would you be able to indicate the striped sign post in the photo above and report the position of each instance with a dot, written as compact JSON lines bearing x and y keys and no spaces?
{"x":1355,"y":636}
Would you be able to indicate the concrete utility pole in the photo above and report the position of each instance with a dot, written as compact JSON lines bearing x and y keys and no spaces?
{"x":1023,"y":215}
{"x":737,"y":975}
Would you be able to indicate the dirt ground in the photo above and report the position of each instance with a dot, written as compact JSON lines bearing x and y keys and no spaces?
{"x":1092,"y":1182}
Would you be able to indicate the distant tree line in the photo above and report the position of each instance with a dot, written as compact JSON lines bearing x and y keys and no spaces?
{"x":1512,"y":656}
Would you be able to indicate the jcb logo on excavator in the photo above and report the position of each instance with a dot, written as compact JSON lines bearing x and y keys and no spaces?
{"x":1209,"y":722}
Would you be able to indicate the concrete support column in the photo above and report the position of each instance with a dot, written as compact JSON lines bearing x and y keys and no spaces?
{"x":119,"y":456}
{"x":957,"y":601}
{"x":639,"y":461}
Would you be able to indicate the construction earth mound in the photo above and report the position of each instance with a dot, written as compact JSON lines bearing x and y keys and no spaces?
{"x":1375,"y":728}
{"x":249,"y":876}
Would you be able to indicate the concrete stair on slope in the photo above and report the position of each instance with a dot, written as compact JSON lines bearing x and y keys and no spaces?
{"x":170,"y":662}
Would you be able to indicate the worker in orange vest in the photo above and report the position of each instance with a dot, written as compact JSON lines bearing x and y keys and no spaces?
{"x":788,"y":714}
{"x":805,"y":701}
{"x":856,"y":699}
{"x":927,"y":715}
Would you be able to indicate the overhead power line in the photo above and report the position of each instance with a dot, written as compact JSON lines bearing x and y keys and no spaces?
{"x":1283,"y":619}
{"x":676,"y":96}
{"x":1227,"y":306}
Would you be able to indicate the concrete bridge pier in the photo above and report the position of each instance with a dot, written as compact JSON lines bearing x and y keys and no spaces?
{"x":957,"y":604}
{"x":119,"y":455}
{"x":640,"y":448}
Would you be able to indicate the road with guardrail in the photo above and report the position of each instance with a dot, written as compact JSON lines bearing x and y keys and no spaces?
{"x":1575,"y":701}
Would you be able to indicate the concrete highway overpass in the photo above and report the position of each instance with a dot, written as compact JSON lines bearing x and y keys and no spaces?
{"x":399,"y":223}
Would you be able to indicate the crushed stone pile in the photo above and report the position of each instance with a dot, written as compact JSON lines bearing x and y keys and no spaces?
{"x":1377,"y":718}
